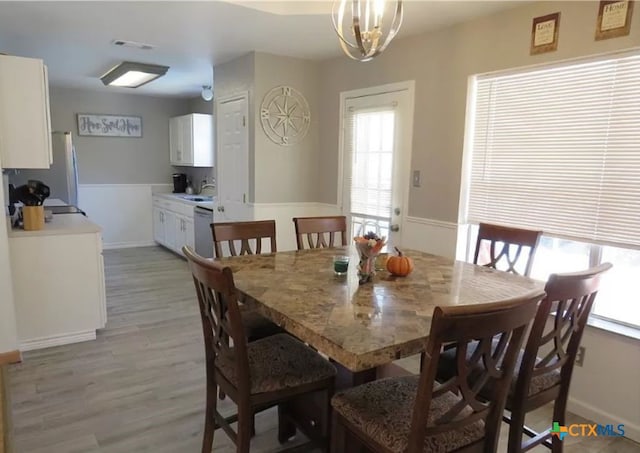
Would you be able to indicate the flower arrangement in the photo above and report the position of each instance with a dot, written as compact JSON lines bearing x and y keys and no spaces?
{"x":369,"y":247}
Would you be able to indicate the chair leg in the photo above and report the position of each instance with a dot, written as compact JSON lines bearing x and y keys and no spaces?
{"x":210,"y":419}
{"x":516,"y":429}
{"x":338,"y":436}
{"x":245,"y":427}
{"x":559,"y":415}
{"x":286,"y":429}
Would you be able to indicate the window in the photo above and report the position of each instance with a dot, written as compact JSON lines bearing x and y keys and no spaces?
{"x":558,"y":149}
{"x":372,"y":166}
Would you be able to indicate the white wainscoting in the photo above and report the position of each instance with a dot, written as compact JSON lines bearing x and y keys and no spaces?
{"x":430,"y":236}
{"x":283,"y":213}
{"x":124,"y":211}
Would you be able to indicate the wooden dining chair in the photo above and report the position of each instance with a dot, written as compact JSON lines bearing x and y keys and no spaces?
{"x":506,"y":245}
{"x":544,"y":368}
{"x":316,"y":228}
{"x":415,"y":414}
{"x":255,"y":375}
{"x":246,"y":232}
{"x":256,"y":326}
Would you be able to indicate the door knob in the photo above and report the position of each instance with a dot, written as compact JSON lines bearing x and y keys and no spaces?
{"x":395,"y":227}
{"x":396,"y":211}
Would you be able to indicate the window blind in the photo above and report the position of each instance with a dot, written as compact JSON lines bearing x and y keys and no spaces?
{"x":558,"y":149}
{"x":372,"y":162}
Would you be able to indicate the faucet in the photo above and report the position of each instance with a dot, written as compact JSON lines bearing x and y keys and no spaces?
{"x":203,"y":186}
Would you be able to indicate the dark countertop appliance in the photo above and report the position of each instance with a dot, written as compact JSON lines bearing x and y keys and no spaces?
{"x":179,"y":183}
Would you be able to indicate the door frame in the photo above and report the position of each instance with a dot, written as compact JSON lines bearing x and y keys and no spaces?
{"x":409,"y":87}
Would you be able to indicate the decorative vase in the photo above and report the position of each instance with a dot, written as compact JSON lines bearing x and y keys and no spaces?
{"x":366,"y":268}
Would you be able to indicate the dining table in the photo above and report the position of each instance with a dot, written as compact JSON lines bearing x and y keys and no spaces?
{"x":363,"y":327}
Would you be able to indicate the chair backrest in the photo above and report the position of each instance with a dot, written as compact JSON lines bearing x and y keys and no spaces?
{"x":220,"y":315}
{"x":556,"y":338}
{"x":512,"y":242}
{"x":472,"y":329}
{"x":319,"y":227}
{"x":244,"y":232}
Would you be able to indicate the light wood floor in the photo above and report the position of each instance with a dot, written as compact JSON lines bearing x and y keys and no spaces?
{"x":140,"y":386}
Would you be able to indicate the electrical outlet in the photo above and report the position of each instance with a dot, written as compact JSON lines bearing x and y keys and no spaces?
{"x":416,"y":178}
{"x":580,"y":356}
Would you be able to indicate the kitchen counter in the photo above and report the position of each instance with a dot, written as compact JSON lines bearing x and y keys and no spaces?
{"x":61,"y":224}
{"x":178,"y":197}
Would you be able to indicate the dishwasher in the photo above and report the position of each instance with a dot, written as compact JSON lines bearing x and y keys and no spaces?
{"x":203,"y":218}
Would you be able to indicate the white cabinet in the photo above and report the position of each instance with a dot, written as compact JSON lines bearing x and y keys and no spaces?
{"x":158,"y":225}
{"x":58,"y":282}
{"x":184,"y":233}
{"x":191,"y":140}
{"x":173,"y":225}
{"x":25,"y":123}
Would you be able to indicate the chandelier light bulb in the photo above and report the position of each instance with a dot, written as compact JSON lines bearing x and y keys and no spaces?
{"x":366,"y":27}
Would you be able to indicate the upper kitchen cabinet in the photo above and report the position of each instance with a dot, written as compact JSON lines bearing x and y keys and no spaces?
{"x":25,"y":122}
{"x":191,"y":140}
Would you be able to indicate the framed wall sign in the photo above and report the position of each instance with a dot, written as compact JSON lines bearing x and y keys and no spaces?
{"x":614,"y":19}
{"x":109,"y":125}
{"x":544,"y":33}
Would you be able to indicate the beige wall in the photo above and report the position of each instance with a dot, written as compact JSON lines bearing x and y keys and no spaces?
{"x":296,"y":165}
{"x":277,"y":174}
{"x":441,"y":62}
{"x":112,"y":160}
{"x":199,"y":105}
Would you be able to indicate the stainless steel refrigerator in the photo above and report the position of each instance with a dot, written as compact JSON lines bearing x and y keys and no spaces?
{"x":62,"y":176}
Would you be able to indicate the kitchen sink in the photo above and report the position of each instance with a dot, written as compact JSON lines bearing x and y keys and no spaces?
{"x":196,"y":197}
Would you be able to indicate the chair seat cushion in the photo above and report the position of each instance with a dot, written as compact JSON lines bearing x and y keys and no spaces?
{"x":257,"y":326}
{"x":447,"y":364}
{"x":279,"y":362}
{"x":383,"y":409}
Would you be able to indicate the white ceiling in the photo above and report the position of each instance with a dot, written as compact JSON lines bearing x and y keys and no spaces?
{"x":74,"y":38}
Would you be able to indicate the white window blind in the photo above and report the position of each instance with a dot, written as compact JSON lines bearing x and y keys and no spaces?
{"x":558,"y":149}
{"x":372,"y":163}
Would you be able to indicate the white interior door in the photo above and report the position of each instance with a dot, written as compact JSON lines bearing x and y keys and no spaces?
{"x":232,"y":160}
{"x":377,"y":152}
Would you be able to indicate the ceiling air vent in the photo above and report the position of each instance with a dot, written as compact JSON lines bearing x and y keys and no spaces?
{"x":137,"y":45}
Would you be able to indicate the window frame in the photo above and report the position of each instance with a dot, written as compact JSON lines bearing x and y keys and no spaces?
{"x":466,"y":236}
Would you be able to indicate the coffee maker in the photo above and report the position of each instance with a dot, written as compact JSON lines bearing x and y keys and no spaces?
{"x":179,"y":183}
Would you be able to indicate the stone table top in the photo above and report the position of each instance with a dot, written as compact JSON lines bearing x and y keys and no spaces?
{"x":365,"y":326}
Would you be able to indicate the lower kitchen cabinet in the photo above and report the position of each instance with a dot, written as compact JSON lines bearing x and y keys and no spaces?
{"x":173,"y":224}
{"x":58,"y":282}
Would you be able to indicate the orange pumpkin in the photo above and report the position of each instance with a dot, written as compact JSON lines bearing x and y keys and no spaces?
{"x":399,"y":265}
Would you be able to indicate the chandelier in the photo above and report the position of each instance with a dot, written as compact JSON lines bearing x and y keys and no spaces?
{"x":366,"y":27}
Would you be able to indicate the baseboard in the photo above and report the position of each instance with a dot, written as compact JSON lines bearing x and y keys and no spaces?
{"x":57,"y":340}
{"x":10,"y":357}
{"x":631,"y":429}
{"x":128,"y":245}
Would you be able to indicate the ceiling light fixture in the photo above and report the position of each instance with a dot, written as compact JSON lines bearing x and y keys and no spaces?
{"x":133,"y":75}
{"x":206,"y":93}
{"x":366,"y":27}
